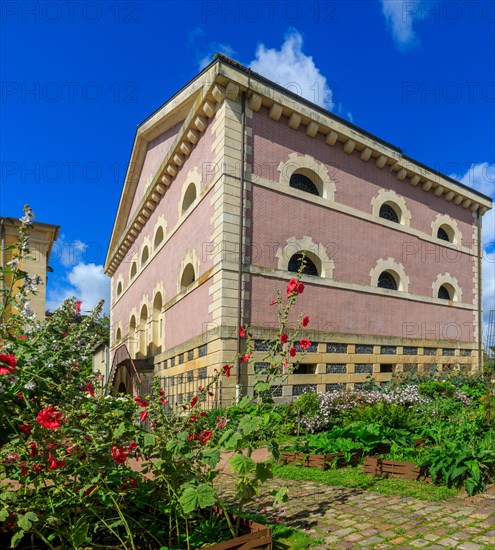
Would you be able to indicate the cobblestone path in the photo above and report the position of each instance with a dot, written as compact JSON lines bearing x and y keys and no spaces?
{"x":356,"y":518}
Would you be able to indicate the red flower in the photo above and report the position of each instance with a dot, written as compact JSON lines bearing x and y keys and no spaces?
{"x":63,"y":334}
{"x":300,"y":288}
{"x":78,"y":305}
{"x":285,"y":364}
{"x":132,"y":446}
{"x":273,"y":302}
{"x":206,"y":435}
{"x":118,"y":454}
{"x":284,"y":337}
{"x":54,"y":464}
{"x":26,"y":428}
{"x":33,"y":449}
{"x":304,"y":343}
{"x":242,"y":332}
{"x":143,"y":415}
{"x":141,"y":402}
{"x":24,"y":470}
{"x":89,"y":388}
{"x":162,"y":392}
{"x":49,"y":418}
{"x":203,"y":414}
{"x":292,"y":286}
{"x":292,"y":351}
{"x":22,"y":337}
{"x":194,"y":401}
{"x":37,"y":468}
{"x":8,"y":363}
{"x":305,"y":321}
{"x":226,"y":371}
{"x":246,"y":358}
{"x":194,"y":418}
{"x":20,"y":396}
{"x":131,"y":484}
{"x":163,"y":401}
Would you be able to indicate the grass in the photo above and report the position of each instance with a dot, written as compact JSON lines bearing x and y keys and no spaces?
{"x":285,"y":537}
{"x":354,"y":477}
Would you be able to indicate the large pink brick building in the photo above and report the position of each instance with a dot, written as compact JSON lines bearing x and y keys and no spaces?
{"x":234,"y":161}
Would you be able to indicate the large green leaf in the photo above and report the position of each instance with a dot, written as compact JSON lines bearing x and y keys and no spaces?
{"x":79,"y":533}
{"x":249,"y":424}
{"x":241,"y":464}
{"x":119,"y":432}
{"x":25,"y":521}
{"x":197,"y":496}
{"x":229,"y":439}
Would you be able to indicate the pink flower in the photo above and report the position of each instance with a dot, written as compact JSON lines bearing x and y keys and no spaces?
{"x":49,"y":418}
{"x":143,"y":415}
{"x":8,"y":363}
{"x":291,"y":286}
{"x":284,"y":337}
{"x":141,"y":402}
{"x":118,"y":454}
{"x":305,"y":321}
{"x":242,"y":332}
{"x":78,"y":305}
{"x":273,"y":302}
{"x":54,"y":464}
{"x":246,"y":358}
{"x":89,"y":388}
{"x":206,"y":435}
{"x":304,"y":343}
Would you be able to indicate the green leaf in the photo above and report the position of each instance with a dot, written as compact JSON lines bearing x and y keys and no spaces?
{"x":119,"y":432}
{"x":281,"y":495}
{"x":261,"y":386}
{"x":229,"y":439}
{"x":4,"y":514}
{"x":25,"y":521}
{"x":249,"y":424}
{"x":211,"y":457}
{"x":149,"y":440}
{"x":79,"y":533}
{"x":198,"y":496}
{"x":244,"y":465}
{"x":16,"y":539}
{"x":244,"y":402}
{"x":263,"y":471}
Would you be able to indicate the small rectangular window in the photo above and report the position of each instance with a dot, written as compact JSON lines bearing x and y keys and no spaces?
{"x":305,"y":369}
{"x":334,"y":387}
{"x":299,"y":389}
{"x":410,"y":350}
{"x":364,"y":348}
{"x":190,"y":376}
{"x":465,"y":352}
{"x":261,"y":367}
{"x":386,"y":367}
{"x":181,"y":359}
{"x":313,"y":348}
{"x":430,"y":351}
{"x":202,"y":373}
{"x":172,"y":362}
{"x":190,"y":355}
{"x":336,"y":348}
{"x":388,"y":350}
{"x":336,"y":368}
{"x":448,"y":352}
{"x":363,"y":368}
{"x":202,"y":350}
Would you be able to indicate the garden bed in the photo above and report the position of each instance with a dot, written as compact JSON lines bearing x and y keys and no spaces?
{"x":379,"y":467}
{"x":257,"y":537}
{"x":311,"y":461}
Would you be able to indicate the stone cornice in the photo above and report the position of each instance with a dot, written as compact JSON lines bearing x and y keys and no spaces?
{"x":200,"y":99}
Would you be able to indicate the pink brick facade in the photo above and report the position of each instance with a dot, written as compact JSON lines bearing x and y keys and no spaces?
{"x":192,"y":329}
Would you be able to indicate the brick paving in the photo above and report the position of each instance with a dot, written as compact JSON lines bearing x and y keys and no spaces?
{"x":356,"y":518}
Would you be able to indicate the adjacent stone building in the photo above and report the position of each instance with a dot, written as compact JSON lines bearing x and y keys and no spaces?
{"x":42,"y":237}
{"x":234,"y":161}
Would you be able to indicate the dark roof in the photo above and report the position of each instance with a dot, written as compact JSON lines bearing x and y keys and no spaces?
{"x":241,"y":68}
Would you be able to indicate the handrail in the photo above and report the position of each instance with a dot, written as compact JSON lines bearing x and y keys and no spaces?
{"x":120,"y":355}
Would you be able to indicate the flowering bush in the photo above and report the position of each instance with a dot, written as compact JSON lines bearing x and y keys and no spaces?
{"x":81,"y":469}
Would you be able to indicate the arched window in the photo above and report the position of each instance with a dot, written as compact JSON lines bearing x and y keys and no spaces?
{"x":132,"y":336}
{"x":189,"y":197}
{"x":390,"y":212}
{"x":445,"y":233}
{"x":157,"y":331}
{"x":142,"y":331}
{"x":188,"y":277}
{"x":309,"y":267}
{"x":133,"y":270}
{"x":303,"y":183}
{"x":118,"y":336}
{"x":119,"y":288}
{"x":158,"y":237}
{"x":145,"y":255}
{"x":446,"y":292}
{"x":388,"y":280}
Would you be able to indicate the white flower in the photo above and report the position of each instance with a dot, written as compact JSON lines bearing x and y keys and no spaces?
{"x":14,"y":264}
{"x":30,"y":386}
{"x":2,"y":388}
{"x":11,"y":378}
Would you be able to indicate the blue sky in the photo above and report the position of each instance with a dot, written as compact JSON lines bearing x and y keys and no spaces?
{"x":78,"y":77}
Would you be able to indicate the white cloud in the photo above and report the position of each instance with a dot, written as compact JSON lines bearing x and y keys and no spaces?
{"x":67,"y":252}
{"x":399,"y":17}
{"x":292,"y":68}
{"x":482,"y":178}
{"x":87,"y":283}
